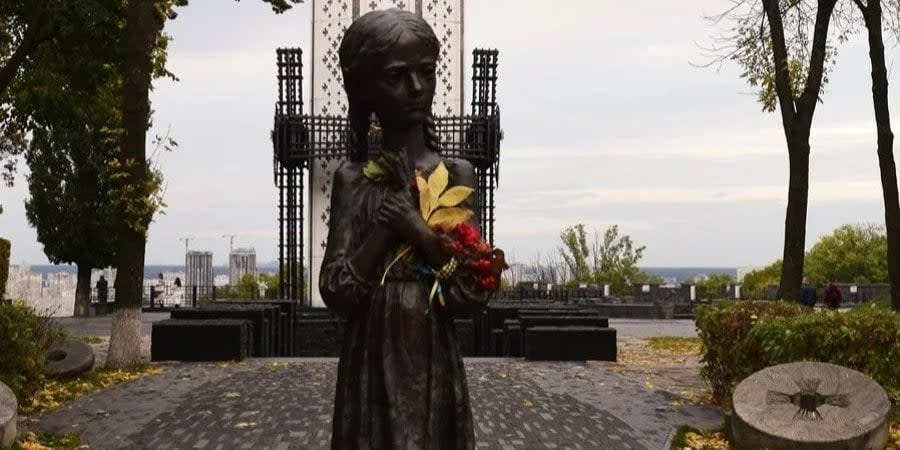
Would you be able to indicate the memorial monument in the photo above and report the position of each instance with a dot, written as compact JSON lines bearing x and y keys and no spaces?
{"x":404,"y":254}
{"x":309,"y":147}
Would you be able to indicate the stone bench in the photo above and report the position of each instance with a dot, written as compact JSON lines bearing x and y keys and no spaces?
{"x":258,"y":316}
{"x":274,"y":333}
{"x":590,"y":320}
{"x":570,"y":344}
{"x":200,"y":340}
{"x":595,"y":320}
{"x":512,"y":338}
{"x":8,"y":416}
{"x":559,"y":312}
{"x":284,"y":319}
{"x":629,"y":311}
{"x":496,"y":342}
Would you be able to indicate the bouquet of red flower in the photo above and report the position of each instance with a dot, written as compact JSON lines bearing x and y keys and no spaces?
{"x":441,"y":210}
{"x":464,"y":243}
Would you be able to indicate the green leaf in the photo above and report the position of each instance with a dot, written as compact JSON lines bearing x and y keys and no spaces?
{"x":375,"y":172}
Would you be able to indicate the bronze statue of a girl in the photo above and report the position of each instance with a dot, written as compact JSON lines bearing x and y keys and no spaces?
{"x":401,"y":382}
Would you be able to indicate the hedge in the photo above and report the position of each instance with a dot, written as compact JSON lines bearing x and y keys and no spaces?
{"x":740,"y":338}
{"x":24,"y":338}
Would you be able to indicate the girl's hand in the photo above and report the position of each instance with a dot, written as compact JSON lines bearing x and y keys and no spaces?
{"x":399,"y":214}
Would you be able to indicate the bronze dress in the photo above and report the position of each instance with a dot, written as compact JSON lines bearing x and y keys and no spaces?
{"x":401,"y":382}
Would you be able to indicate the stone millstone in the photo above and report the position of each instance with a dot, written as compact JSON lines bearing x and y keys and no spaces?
{"x":810,"y":405}
{"x":8,"y":407}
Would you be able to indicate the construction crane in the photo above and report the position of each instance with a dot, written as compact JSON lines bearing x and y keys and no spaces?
{"x":187,"y":240}
{"x":230,"y":241}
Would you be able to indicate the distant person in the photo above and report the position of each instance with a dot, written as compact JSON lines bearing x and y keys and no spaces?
{"x":808,"y":294}
{"x":832,"y":295}
{"x":102,"y":293}
{"x":179,"y":293}
{"x":157,"y":290}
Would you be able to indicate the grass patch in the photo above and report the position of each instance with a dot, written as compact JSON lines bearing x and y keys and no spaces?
{"x":55,"y":392}
{"x":677,"y":345}
{"x":894,"y":430}
{"x":691,"y":438}
{"x":90,"y":339}
{"x":42,"y":441}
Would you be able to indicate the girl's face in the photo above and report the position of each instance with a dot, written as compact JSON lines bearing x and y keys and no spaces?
{"x":402,"y":86}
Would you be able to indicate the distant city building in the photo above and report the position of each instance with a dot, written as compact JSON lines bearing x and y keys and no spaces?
{"x":198,"y":269}
{"x":242,"y":261}
{"x":221,"y":280}
{"x":54,"y":296}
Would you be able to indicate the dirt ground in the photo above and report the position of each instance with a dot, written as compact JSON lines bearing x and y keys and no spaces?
{"x":675,"y":372}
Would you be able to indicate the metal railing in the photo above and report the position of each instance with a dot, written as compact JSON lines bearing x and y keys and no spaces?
{"x":168,"y":296}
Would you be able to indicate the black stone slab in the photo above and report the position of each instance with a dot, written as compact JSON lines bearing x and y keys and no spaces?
{"x":570,"y":344}
{"x":200,"y":340}
{"x":258,"y":315}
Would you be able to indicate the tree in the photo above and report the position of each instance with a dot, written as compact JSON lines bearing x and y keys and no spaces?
{"x":872,"y":18}
{"x":68,"y":205}
{"x":135,"y":187}
{"x":575,"y":253}
{"x":760,"y":279}
{"x":771,"y":42}
{"x":851,"y":253}
{"x":612,"y":260}
{"x":713,"y":286}
{"x":71,"y":146}
{"x":137,"y":193}
{"x":25,"y":27}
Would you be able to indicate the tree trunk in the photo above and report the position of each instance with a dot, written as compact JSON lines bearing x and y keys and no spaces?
{"x":140,"y":32}
{"x":796,"y":119}
{"x":873,"y":18}
{"x":83,"y":291}
{"x":795,"y":218}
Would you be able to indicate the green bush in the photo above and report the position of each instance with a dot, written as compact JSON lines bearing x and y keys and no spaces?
{"x":740,"y":338}
{"x":24,"y":337}
{"x":4,"y":265}
{"x":866,"y":339}
{"x":723,"y":329}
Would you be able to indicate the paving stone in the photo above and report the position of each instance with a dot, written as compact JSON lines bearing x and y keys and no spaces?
{"x":515,"y":404}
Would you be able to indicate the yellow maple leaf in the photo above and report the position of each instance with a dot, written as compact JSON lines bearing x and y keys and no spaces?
{"x":425,"y":204}
{"x":449,"y":217}
{"x":454,"y":196}
{"x":437,"y":181}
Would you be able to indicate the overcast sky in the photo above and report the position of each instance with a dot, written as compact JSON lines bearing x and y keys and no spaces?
{"x":605,"y":121}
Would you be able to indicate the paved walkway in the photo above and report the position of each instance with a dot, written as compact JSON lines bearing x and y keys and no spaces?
{"x":287,"y":403}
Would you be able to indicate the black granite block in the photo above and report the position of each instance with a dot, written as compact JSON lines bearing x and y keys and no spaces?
{"x":570,"y":344}
{"x":200,"y":340}
{"x":465,"y":336}
{"x":256,"y":314}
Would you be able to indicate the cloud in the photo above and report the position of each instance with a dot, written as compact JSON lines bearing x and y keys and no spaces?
{"x":831,"y":191}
